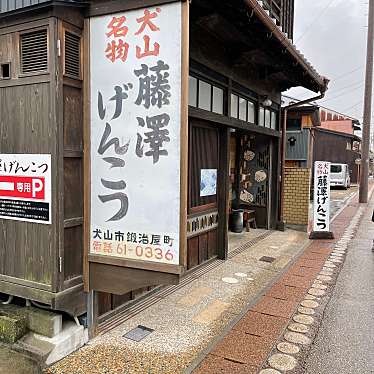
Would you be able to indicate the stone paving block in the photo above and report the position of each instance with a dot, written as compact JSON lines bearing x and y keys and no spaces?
{"x":195,"y":296}
{"x":311,"y":263}
{"x":322,"y":250}
{"x":314,"y":256}
{"x":244,"y":348}
{"x":261,"y":324}
{"x":282,"y":262}
{"x":217,"y":365}
{"x":295,"y":281}
{"x":275,"y":307}
{"x":304,"y":272}
{"x":211,"y":312}
{"x":284,"y":292}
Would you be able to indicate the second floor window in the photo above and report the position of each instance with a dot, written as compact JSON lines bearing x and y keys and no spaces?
{"x":242,"y":109}
{"x":206,"y":96}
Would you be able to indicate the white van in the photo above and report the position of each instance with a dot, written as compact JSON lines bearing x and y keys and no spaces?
{"x":340,"y":175}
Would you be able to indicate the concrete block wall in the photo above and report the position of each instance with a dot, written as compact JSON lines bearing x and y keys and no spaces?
{"x":296,"y":196}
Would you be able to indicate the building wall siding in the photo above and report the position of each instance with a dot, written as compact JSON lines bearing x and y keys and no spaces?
{"x":299,"y":151}
{"x":333,"y":148}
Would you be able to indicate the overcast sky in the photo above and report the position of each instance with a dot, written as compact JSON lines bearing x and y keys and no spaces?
{"x":332,"y":36}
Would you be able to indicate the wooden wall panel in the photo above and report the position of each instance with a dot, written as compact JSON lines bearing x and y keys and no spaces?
{"x":73,"y":118}
{"x":73,"y":188}
{"x":192,"y":252}
{"x":203,"y":248}
{"x":73,"y":248}
{"x":28,"y":250}
{"x":104,"y":302}
{"x":118,"y":300}
{"x":73,"y":179}
{"x":212,"y":244}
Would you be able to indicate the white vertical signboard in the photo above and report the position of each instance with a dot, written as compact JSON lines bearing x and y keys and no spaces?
{"x":135,"y":69}
{"x":25,"y":187}
{"x":321,"y":211}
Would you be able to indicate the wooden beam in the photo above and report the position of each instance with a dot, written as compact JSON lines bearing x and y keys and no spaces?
{"x":119,"y":280}
{"x":231,"y":122}
{"x":144,"y":265}
{"x":99,"y":8}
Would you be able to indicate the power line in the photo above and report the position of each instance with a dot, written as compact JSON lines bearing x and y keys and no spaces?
{"x":353,"y":106}
{"x":340,"y":77}
{"x":314,"y":21}
{"x":360,"y":83}
{"x":343,"y":94}
{"x":348,"y":73}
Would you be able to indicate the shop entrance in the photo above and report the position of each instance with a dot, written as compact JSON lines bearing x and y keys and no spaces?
{"x":249,"y":187}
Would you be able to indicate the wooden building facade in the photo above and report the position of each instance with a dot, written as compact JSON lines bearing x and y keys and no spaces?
{"x":338,"y":147}
{"x":236,"y":61}
{"x":308,"y":140}
{"x":41,"y":113}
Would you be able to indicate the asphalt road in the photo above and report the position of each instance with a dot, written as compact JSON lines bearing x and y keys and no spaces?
{"x":339,"y":197}
{"x":345,"y":341}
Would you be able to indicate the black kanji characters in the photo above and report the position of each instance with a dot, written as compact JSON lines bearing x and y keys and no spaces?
{"x":154,"y":89}
{"x":155,"y":138}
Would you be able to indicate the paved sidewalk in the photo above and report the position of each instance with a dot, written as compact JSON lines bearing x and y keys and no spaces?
{"x":275,"y":332}
{"x":345,"y":338}
{"x":188,"y":320}
{"x":228,"y":317}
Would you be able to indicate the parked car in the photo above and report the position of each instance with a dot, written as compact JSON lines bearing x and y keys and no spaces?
{"x":340,"y":176}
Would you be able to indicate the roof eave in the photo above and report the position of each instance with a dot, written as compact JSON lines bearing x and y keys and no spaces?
{"x":321,"y":81}
{"x":42,"y":6}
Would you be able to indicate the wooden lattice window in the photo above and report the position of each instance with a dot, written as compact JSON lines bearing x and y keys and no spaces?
{"x":34,"y":52}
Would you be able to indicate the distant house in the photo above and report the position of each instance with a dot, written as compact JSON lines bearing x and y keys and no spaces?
{"x":318,"y":134}
{"x":300,"y":122}
{"x":344,"y":126}
{"x":337,"y":147}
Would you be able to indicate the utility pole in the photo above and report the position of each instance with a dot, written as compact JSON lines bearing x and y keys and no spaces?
{"x":364,"y":180}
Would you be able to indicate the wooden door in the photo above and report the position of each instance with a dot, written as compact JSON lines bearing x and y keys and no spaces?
{"x":203,"y":204}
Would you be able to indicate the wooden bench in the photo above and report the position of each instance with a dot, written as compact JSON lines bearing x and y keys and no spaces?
{"x":249,"y":218}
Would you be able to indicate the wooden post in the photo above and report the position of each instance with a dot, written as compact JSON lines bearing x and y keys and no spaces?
{"x":184,"y":136}
{"x":92,"y":313}
{"x":86,"y":151}
{"x":223,"y":193}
